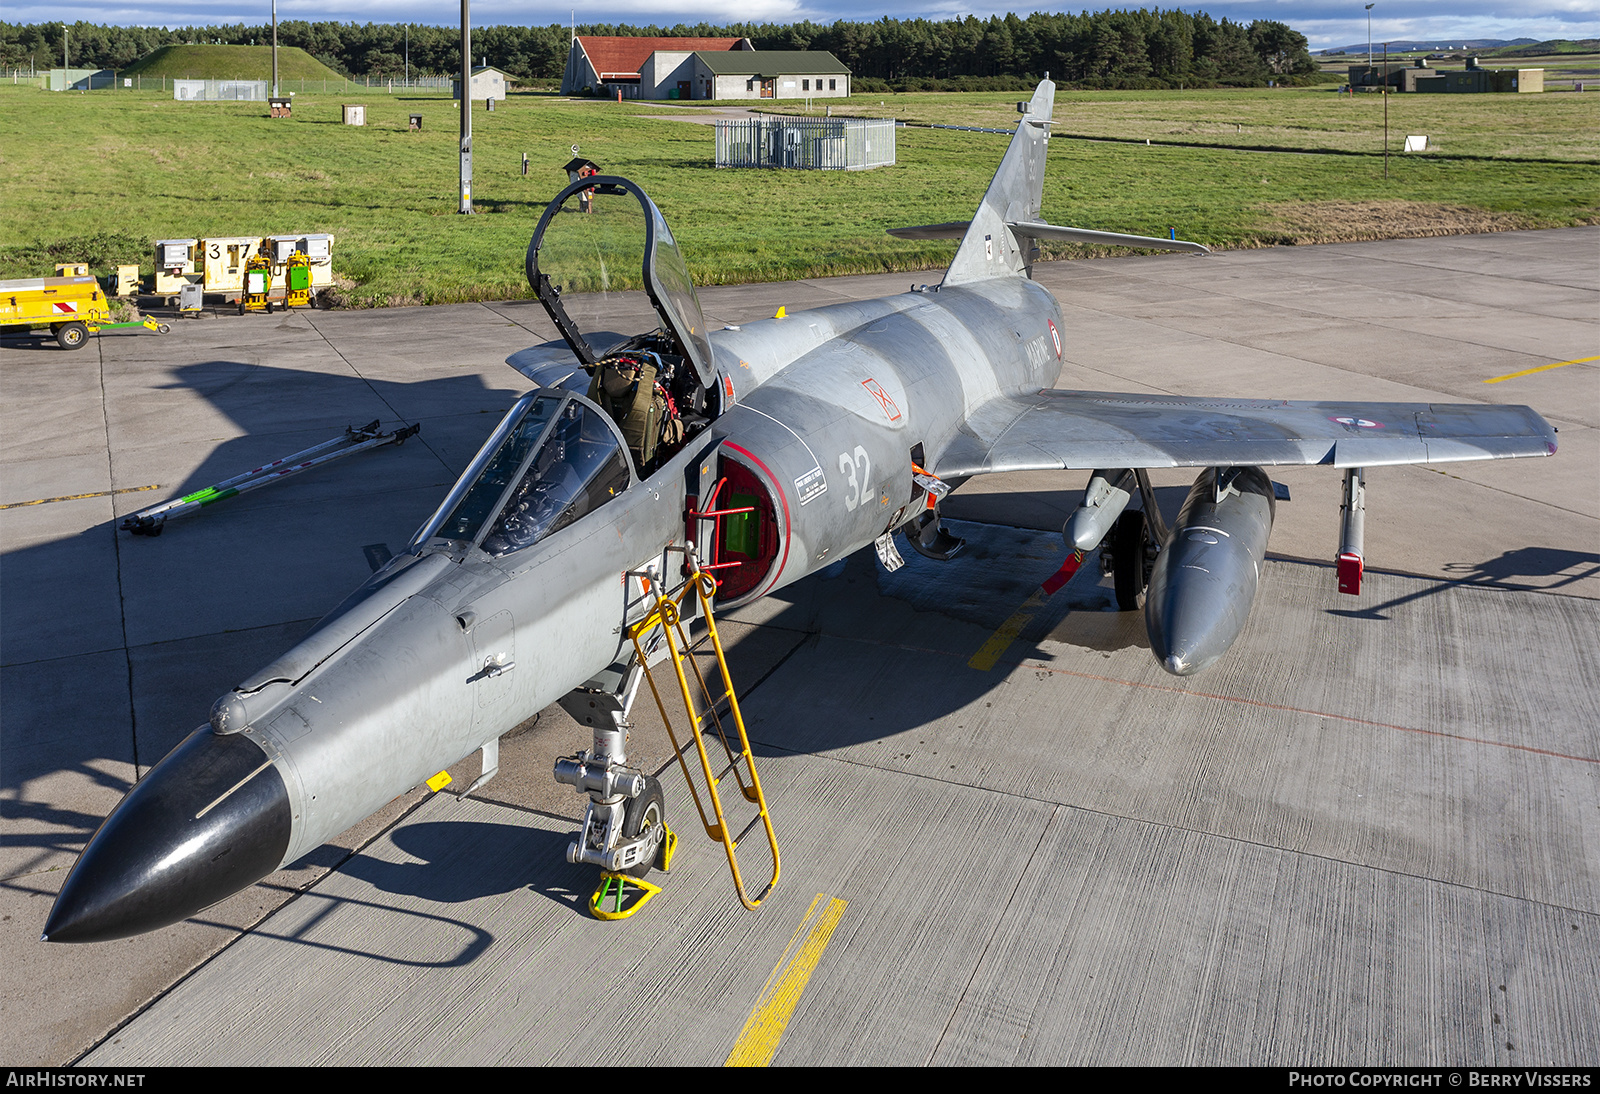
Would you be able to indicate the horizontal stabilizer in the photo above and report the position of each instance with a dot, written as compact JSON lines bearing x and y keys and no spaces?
{"x":955,"y":229}
{"x":950,"y":229}
{"x":1039,"y":230}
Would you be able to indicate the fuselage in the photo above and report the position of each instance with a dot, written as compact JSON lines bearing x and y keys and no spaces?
{"x":862,"y":385}
{"x":447,"y":647}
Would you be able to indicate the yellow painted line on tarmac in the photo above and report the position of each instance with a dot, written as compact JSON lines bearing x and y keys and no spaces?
{"x":1002,"y":638}
{"x":1541,"y":368}
{"x":76,"y":497}
{"x":758,"y":1041}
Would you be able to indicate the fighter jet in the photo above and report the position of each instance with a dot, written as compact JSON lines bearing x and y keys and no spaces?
{"x":651,"y":448}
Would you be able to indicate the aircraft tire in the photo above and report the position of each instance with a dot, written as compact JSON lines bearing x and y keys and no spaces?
{"x":642,"y":814}
{"x":1127,"y":553}
{"x":71,"y":335}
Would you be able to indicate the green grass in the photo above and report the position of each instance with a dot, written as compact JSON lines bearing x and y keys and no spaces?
{"x":1544,"y":49}
{"x":230,"y":63}
{"x":1548,"y":126}
{"x":90,"y":170}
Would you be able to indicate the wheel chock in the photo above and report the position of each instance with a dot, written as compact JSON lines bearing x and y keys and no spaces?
{"x":625,"y":893}
{"x":669,"y":844}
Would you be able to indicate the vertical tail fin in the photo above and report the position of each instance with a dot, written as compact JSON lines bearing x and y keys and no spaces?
{"x":990,"y":249}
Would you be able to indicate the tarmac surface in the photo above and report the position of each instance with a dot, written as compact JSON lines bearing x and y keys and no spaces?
{"x":1367,"y":836}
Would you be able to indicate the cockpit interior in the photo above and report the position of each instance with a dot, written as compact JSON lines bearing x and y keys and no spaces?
{"x":602,"y":259}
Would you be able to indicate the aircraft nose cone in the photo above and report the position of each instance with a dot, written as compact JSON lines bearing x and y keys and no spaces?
{"x":209,"y":819}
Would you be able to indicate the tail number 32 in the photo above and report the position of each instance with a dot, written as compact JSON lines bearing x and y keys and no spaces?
{"x":857,"y":469}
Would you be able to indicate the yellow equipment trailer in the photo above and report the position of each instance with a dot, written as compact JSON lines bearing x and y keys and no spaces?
{"x":72,"y":307}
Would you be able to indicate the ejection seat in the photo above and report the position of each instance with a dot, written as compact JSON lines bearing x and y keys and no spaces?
{"x":613,"y":267}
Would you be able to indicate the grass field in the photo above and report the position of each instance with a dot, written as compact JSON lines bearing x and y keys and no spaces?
{"x":230,"y":63}
{"x":99,"y":176}
{"x":1548,"y":126}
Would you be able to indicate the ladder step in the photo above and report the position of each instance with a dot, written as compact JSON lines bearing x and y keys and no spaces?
{"x":668,"y":616}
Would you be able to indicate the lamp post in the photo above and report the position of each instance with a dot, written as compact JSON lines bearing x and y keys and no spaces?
{"x":466,"y":108}
{"x":275,"y":50}
{"x":1369,"y":42}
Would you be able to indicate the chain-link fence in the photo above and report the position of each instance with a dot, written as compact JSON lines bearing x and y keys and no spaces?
{"x":816,"y":144}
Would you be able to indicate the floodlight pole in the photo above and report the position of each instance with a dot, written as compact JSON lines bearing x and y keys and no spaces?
{"x":1386,"y":111}
{"x":1369,"y":40}
{"x":466,"y":107}
{"x":275,"y":49}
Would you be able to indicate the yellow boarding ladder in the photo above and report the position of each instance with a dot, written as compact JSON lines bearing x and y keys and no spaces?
{"x":668,"y":615}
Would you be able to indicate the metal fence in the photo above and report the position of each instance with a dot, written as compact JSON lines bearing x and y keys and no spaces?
{"x":111,"y":80}
{"x":816,"y":144}
{"x":216,"y":90}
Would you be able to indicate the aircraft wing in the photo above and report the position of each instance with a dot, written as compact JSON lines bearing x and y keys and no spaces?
{"x":1084,"y":430}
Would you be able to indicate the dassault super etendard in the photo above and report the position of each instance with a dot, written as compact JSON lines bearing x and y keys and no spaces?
{"x":650,"y":445}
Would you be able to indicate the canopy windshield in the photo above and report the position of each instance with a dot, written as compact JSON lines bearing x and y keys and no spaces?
{"x":604,"y":264}
{"x":556,"y":460}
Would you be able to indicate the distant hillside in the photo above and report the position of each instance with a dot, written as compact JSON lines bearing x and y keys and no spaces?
{"x":1434,"y":44}
{"x":1554,"y":47}
{"x":230,"y":63}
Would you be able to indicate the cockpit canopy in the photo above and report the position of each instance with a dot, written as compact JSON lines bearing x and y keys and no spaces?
{"x":553,"y":459}
{"x":604,"y":264}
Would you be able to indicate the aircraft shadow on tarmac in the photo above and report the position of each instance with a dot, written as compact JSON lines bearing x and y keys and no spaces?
{"x":474,"y":940}
{"x":182,"y":602}
{"x":452,"y":862}
{"x":1557,"y":566}
{"x":503,"y":856}
{"x":889,"y":653}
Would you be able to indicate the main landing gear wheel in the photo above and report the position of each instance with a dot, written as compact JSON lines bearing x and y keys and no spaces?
{"x":641,"y":816}
{"x":1130,"y":572}
{"x":71,"y":335}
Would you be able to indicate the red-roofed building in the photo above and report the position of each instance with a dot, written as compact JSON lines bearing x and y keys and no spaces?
{"x":641,"y":68}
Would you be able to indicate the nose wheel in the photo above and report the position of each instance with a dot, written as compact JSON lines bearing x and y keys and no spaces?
{"x":642,"y":820}
{"x":621,"y":893}
{"x":624,"y":828}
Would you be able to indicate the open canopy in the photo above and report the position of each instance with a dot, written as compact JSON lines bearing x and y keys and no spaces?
{"x":604,"y":264}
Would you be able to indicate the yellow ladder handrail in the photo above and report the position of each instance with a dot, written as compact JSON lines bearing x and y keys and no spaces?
{"x":668,"y":615}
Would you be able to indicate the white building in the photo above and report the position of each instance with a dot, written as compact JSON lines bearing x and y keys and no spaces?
{"x":771,"y":74}
{"x":487,"y":83}
{"x":699,"y":68}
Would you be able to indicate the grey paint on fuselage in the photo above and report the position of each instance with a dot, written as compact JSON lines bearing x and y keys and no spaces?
{"x":409,"y":696}
{"x":933,"y":356}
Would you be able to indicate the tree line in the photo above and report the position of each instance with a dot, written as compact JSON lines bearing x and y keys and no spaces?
{"x":1108,"y":49}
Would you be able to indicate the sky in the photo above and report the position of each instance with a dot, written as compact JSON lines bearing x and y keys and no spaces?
{"x":1324,"y":23}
